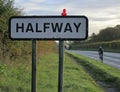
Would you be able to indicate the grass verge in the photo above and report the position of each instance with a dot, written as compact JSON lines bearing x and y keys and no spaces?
{"x":17,"y":76}
{"x":75,"y":78}
{"x":99,"y":70}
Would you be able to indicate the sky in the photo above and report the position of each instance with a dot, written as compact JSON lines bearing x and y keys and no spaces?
{"x":101,"y":13}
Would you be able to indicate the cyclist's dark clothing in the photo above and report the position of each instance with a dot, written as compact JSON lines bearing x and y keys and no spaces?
{"x":100,"y":50}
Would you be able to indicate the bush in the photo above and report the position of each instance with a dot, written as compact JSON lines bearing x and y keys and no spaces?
{"x":3,"y":69}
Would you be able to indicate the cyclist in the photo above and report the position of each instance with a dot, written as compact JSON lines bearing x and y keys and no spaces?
{"x":100,"y":52}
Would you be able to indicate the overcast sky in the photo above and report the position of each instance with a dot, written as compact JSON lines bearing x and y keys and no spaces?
{"x":101,"y":13}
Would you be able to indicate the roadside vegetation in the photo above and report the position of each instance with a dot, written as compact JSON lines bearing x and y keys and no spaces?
{"x":111,"y":46}
{"x":100,"y":71}
{"x":75,"y":78}
{"x":15,"y":75}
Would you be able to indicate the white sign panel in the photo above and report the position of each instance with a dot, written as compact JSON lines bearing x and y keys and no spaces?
{"x":48,"y":27}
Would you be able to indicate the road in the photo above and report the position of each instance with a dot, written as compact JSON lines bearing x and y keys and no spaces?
{"x":112,"y":59}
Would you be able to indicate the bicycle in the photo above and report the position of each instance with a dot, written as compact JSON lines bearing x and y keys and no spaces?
{"x":101,"y":57}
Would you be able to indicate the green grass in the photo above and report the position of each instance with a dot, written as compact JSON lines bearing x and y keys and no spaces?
{"x":76,"y":79}
{"x":17,"y":76}
{"x":100,"y":70}
{"x":47,"y":71}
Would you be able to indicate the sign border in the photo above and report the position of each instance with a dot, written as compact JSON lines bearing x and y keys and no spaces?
{"x":9,"y":28}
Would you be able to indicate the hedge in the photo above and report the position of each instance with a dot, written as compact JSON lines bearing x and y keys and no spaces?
{"x":111,"y":45}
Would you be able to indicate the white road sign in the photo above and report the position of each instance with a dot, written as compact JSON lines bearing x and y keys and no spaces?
{"x":48,"y":27}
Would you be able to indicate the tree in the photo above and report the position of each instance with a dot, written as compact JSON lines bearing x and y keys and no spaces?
{"x":93,"y":37}
{"x":117,"y":32}
{"x":7,"y":10}
{"x":107,"y":34}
